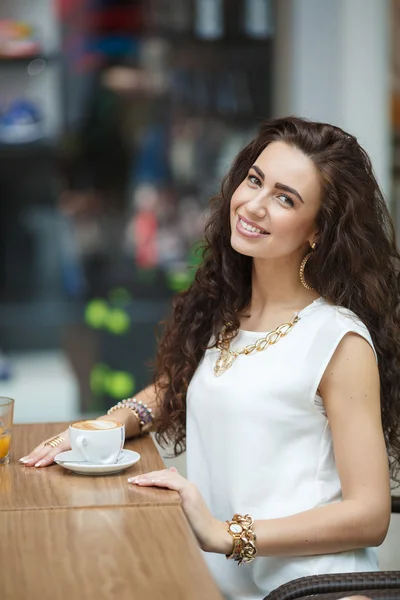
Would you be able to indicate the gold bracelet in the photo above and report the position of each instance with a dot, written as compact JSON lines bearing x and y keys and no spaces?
{"x":244,"y":547}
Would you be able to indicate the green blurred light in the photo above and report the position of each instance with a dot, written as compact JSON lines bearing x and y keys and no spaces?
{"x":195,"y":256}
{"x":96,"y":312}
{"x":98,"y":377}
{"x":120,"y":296}
{"x":178,"y":281}
{"x":120,"y":384}
{"x":118,"y":321}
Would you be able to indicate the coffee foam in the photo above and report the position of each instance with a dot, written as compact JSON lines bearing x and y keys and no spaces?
{"x":96,"y":425}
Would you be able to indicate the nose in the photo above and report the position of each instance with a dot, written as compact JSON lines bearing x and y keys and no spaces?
{"x":257,"y":205}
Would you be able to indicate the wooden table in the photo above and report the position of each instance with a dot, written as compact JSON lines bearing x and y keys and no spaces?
{"x":107,"y":553}
{"x":55,"y":487}
{"x":66,"y":536}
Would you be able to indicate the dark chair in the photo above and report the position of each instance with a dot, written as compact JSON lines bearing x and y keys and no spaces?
{"x":382,"y":585}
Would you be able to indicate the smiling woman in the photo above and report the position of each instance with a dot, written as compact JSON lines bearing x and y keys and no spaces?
{"x":260,"y":209}
{"x":295,"y":307}
{"x":280,"y":367}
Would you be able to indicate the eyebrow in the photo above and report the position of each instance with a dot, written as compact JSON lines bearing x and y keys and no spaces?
{"x":286,"y":188}
{"x":278,"y":186}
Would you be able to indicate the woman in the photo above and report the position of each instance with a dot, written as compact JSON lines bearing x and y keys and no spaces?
{"x":288,"y":433}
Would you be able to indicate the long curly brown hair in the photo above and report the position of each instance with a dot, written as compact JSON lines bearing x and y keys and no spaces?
{"x":356,"y":265}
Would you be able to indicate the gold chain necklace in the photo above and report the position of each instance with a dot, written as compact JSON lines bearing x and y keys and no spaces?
{"x":227,"y":356}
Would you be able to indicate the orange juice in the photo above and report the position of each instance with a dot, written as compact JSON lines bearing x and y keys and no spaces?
{"x":5,"y":440}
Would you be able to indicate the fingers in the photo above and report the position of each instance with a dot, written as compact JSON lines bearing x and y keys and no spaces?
{"x":34,"y":456}
{"x":168,"y":478}
{"x":150,"y":478}
{"x":47,"y":457}
{"x":156,"y":483}
{"x":43,"y":455}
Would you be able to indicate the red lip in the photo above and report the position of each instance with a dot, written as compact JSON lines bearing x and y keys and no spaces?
{"x":251,"y":223}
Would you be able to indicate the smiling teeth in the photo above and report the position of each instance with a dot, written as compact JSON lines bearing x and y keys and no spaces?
{"x":250,"y":227}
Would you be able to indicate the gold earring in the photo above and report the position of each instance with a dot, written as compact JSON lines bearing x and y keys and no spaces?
{"x":303,"y":266}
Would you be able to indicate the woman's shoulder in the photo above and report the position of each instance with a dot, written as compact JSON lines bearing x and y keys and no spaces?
{"x":341,"y":316}
{"x":341,"y":320}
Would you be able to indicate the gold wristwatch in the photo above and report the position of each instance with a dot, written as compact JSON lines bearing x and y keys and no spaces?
{"x":244,"y":538}
{"x":236,"y":530}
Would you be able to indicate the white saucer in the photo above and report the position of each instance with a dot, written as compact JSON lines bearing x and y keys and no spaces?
{"x":70,"y":461}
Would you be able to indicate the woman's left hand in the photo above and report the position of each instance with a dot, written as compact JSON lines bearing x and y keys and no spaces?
{"x":211,"y":534}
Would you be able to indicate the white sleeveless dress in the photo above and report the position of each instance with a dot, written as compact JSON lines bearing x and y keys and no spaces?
{"x":259,"y":442}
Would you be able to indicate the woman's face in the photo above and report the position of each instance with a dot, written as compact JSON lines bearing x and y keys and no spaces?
{"x":274,"y":210}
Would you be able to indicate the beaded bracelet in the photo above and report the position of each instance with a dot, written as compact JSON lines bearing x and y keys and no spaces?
{"x":142,"y":412}
{"x":244,"y":547}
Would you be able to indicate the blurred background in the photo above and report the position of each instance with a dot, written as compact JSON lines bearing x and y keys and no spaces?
{"x":118,"y":120}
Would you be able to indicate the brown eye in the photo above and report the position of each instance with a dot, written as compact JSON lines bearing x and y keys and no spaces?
{"x":254,"y":180}
{"x":286,"y":200}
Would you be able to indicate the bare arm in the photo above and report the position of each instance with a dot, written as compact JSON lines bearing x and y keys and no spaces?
{"x":125,"y":415}
{"x":351,"y":393}
{"x":43,"y":455}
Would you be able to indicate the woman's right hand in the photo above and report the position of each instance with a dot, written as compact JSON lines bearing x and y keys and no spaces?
{"x":43,"y":455}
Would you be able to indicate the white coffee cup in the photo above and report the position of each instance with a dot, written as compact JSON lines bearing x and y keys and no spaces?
{"x":97,"y":441}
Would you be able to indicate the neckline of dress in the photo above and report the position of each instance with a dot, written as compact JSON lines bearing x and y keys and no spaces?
{"x":315,"y":302}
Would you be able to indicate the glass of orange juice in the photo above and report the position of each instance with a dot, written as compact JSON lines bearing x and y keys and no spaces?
{"x":6,"y":422}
